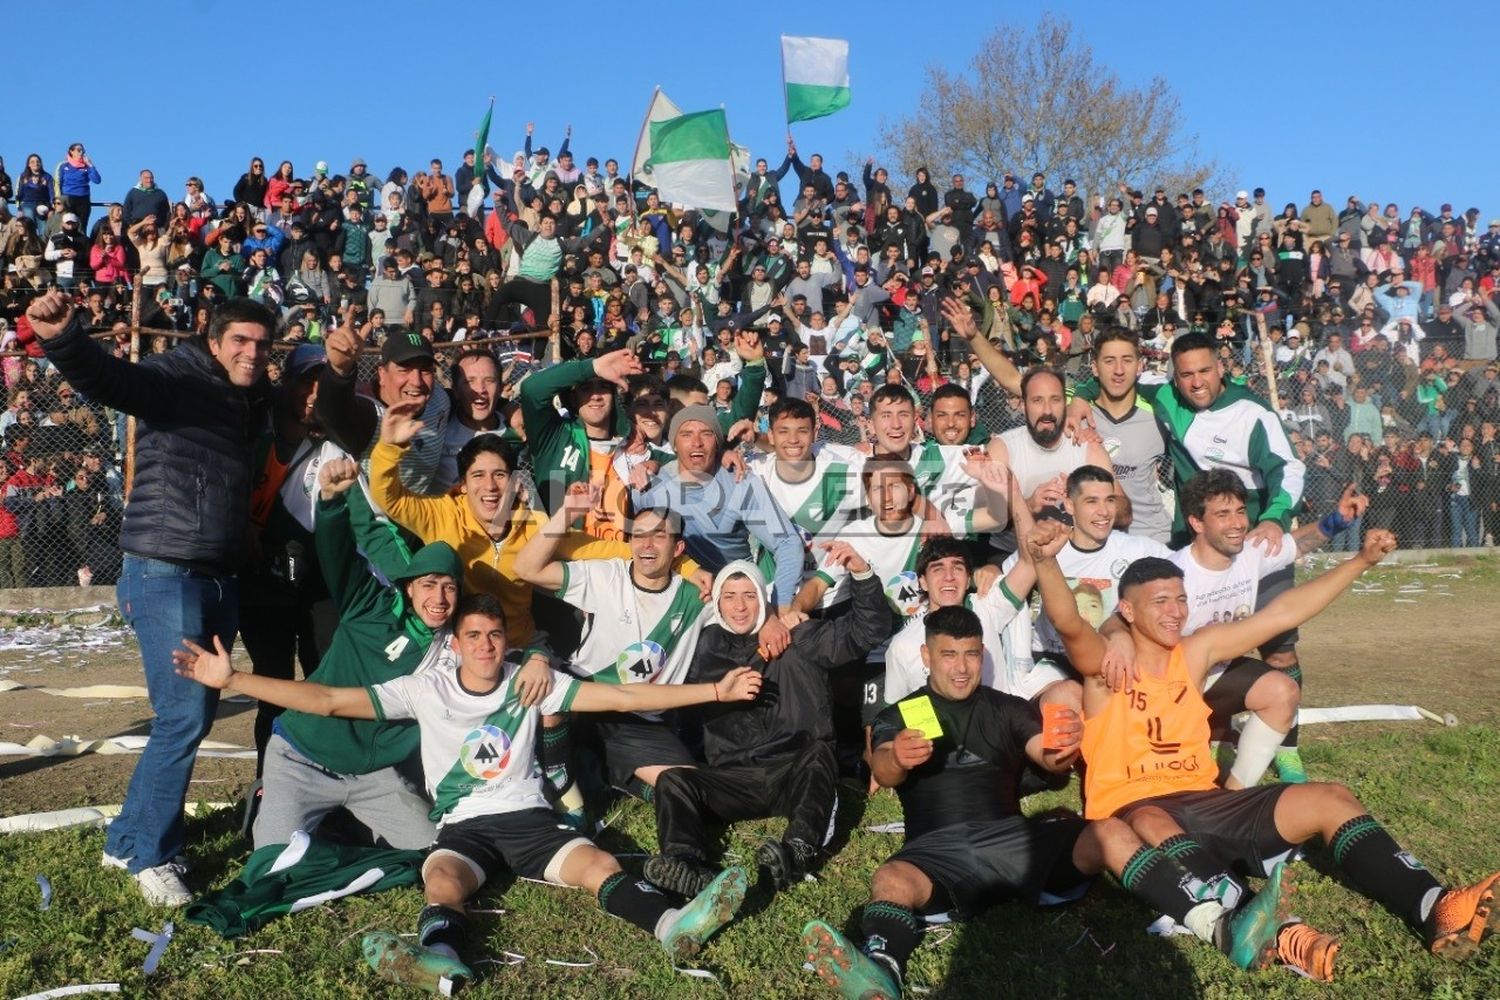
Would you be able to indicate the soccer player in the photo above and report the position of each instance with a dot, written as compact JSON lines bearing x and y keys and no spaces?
{"x":958,"y":773}
{"x":641,"y":626}
{"x":478,"y":746}
{"x":1127,"y":423}
{"x":1150,"y":762}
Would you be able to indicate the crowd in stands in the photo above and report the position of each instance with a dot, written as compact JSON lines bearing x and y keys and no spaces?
{"x":1381,"y":320}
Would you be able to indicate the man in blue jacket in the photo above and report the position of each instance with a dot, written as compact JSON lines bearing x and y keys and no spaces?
{"x":184,"y":535}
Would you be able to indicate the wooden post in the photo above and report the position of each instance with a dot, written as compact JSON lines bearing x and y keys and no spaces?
{"x":1268,"y":362}
{"x":135,"y":356}
{"x":554,"y":322}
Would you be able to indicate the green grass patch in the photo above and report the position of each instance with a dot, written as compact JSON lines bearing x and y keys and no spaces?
{"x":1435,"y":789}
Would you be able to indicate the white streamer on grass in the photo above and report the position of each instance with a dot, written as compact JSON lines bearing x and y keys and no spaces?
{"x":45,"y":885}
{"x":72,"y":991}
{"x":158,"y":943}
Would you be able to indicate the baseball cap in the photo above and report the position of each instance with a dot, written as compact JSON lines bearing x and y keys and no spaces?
{"x":69,"y":217}
{"x":321,"y":167}
{"x":1242,"y":194}
{"x":928,"y":272}
{"x":403,"y":347}
{"x":305,"y":359}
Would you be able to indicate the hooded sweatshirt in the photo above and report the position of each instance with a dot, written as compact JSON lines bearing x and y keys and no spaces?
{"x":794,"y":707}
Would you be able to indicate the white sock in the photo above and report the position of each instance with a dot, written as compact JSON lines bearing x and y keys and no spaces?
{"x":1203,"y":918}
{"x":664,"y":923}
{"x":1258,"y":745}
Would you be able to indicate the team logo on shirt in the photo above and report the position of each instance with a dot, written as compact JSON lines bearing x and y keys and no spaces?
{"x":485,"y":752}
{"x":640,"y":662}
{"x":905,"y":593}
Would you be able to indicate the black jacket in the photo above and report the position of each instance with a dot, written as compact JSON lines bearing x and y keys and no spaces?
{"x":190,"y":499}
{"x":794,"y":706}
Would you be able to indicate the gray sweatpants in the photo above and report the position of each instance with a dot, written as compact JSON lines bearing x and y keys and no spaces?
{"x":298,"y":793}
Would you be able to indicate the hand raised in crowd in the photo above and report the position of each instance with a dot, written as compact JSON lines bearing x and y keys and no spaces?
{"x":50,"y":313}
{"x":641,"y":473}
{"x":985,"y":577}
{"x":1353,"y":504}
{"x":401,"y":423}
{"x":1045,"y":540}
{"x":704,"y":581}
{"x":747,"y":344}
{"x":336,"y":476}
{"x":911,"y":749}
{"x":617,"y":366}
{"x":959,"y":318}
{"x":534,"y":680}
{"x":843,"y":554}
{"x":580,"y":499}
{"x":987,"y":472}
{"x":342,"y":345}
{"x":740,"y":684}
{"x":1379,"y":543}
{"x":1049,"y":493}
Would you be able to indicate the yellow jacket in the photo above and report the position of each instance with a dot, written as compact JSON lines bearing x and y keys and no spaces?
{"x":489,"y":564}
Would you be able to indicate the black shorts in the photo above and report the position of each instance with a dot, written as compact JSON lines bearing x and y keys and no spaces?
{"x":1237,"y":827}
{"x":531,"y":843}
{"x":1272,"y":585}
{"x":975,"y":865}
{"x":631,"y":742}
{"x":1226,"y":698}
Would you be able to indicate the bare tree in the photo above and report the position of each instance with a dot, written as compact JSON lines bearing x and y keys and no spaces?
{"x":1037,"y":100}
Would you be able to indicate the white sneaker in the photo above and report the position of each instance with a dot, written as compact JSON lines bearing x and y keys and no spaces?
{"x":163,"y":885}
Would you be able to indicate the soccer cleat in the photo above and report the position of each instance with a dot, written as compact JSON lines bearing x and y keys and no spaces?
{"x":785,"y":862}
{"x":679,"y":873}
{"x":844,"y":967}
{"x":1248,"y":935}
{"x":1462,"y":918}
{"x":1307,"y":951}
{"x":1289,"y":766}
{"x":705,"y":914}
{"x":404,"y":962}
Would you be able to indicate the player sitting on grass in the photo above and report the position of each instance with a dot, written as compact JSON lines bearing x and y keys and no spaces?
{"x":479,"y":759}
{"x":1150,"y":763}
{"x":955,"y":752}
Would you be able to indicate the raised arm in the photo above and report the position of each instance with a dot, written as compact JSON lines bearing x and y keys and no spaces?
{"x":537,"y":562}
{"x":1216,"y":643}
{"x":425,"y":516}
{"x":1084,"y":646}
{"x":137,"y":389}
{"x":349,"y":418}
{"x":740,"y":684}
{"x":215,"y":669}
{"x":1005,"y":374}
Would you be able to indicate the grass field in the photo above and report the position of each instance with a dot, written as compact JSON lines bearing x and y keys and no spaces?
{"x":1436,"y":789}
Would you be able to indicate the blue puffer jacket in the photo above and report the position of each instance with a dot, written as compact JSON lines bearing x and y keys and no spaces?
{"x":190,"y":500}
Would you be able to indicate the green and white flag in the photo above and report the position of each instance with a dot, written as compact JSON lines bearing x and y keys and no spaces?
{"x":475,"y":200}
{"x":815,"y":72}
{"x":661,"y":109}
{"x":689,"y":162}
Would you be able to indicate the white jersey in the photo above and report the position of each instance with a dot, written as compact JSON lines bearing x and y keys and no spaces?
{"x":1228,"y":595}
{"x":893,"y":558}
{"x":632,"y":635}
{"x":825,"y":501}
{"x":954,"y":490}
{"x":904,"y":671}
{"x":1032,"y":465}
{"x":478,"y":750}
{"x":1094,"y":577}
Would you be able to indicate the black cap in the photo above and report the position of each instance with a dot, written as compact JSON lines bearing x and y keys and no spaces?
{"x":400,"y":348}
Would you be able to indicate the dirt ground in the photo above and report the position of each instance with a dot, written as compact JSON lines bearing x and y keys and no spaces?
{"x":1433,"y":648}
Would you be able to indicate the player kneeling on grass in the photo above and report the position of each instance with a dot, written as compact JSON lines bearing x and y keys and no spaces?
{"x":478,"y":749}
{"x":1149,"y":762}
{"x":955,"y":752}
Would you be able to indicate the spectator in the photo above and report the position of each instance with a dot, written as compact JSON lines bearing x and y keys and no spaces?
{"x":76,"y":176}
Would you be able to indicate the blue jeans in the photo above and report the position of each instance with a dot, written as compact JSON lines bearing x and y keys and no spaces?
{"x":1463,"y":522}
{"x":164,"y":604}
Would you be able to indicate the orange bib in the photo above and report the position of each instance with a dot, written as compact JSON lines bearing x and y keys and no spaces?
{"x":1148,"y":742}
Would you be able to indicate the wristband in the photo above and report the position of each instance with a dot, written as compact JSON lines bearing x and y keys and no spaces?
{"x":1332,"y":524}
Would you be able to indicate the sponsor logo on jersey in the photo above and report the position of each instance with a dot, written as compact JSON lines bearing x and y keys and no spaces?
{"x":1118,"y":567}
{"x":640,"y":662}
{"x":905,"y":593}
{"x":485,"y":752}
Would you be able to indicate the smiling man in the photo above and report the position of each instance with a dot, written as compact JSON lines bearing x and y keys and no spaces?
{"x":185,"y":534}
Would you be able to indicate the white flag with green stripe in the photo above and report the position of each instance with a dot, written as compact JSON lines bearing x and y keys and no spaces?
{"x":690,"y":162}
{"x":815,"y":72}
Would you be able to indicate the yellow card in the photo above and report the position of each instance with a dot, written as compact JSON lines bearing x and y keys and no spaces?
{"x":918,"y":714}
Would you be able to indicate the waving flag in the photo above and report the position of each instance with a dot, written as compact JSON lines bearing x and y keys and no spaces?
{"x":815,"y":74}
{"x":689,"y":161}
{"x":475,"y":201}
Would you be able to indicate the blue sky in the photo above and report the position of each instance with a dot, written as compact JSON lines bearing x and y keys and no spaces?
{"x":1352,"y":98}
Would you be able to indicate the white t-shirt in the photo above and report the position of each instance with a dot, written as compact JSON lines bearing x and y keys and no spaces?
{"x":631,"y":635}
{"x":1090,"y":574}
{"x":904,"y":671}
{"x":1227,"y":595}
{"x":892,"y":557}
{"x":478,"y":750}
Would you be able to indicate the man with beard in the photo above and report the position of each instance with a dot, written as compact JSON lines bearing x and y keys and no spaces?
{"x":1039,"y":457}
{"x":405,"y":376}
{"x":1212,"y":423}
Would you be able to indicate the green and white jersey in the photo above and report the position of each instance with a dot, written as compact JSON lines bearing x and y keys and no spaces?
{"x":904,"y":671}
{"x":478,"y":748}
{"x":631,"y":635}
{"x":1136,"y":449}
{"x":1094,"y":577}
{"x":954,"y":490}
{"x":819,"y":506}
{"x":893,"y":558}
